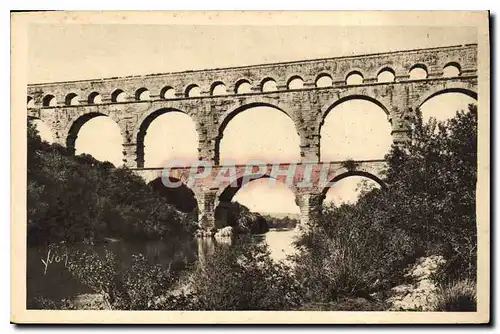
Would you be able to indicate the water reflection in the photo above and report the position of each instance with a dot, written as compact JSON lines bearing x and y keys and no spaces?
{"x":48,"y":273}
{"x":279,"y":242}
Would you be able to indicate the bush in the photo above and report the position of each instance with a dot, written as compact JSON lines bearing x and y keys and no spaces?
{"x":428,"y":208}
{"x":43,"y":303}
{"x":457,"y":297}
{"x":139,"y":286}
{"x":348,"y":254}
{"x":347,"y":304}
{"x":243,"y":277}
{"x":241,"y":219}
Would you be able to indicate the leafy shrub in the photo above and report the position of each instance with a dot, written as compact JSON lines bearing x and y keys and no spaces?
{"x":135,"y":287}
{"x":428,"y":208}
{"x":42,"y":303}
{"x":347,"y":304}
{"x":241,"y":219}
{"x":457,"y":297}
{"x":350,"y":254}
{"x":243,"y":277}
{"x":432,"y":190}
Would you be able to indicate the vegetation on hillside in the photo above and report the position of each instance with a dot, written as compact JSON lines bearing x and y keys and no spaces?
{"x":77,"y":198}
{"x":241,"y":219}
{"x":281,"y":223}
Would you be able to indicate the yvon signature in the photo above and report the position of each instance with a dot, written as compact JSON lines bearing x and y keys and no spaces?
{"x":51,"y":258}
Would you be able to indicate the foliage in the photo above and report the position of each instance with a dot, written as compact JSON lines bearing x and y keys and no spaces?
{"x":42,"y":303}
{"x":280,"y":223}
{"x":433,"y":190}
{"x":134,"y":287}
{"x":427,"y":208}
{"x":241,"y":219}
{"x":347,"y":304}
{"x":457,"y":297}
{"x":350,"y":253}
{"x":78,"y":198}
{"x":243,"y":277}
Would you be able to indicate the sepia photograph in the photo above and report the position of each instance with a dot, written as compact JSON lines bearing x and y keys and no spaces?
{"x":292,"y":164}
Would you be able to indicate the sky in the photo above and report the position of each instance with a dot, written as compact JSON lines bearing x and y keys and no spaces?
{"x":73,"y":52}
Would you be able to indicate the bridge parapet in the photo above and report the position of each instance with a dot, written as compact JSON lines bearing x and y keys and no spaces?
{"x":178,"y":85}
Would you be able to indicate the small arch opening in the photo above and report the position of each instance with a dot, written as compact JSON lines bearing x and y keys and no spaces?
{"x":142,"y":94}
{"x":49,"y":101}
{"x":451,"y":70}
{"x":386,"y":75}
{"x":193,"y":91}
{"x":295,"y":82}
{"x":118,"y":96}
{"x":324,"y":80}
{"x":71,"y":99}
{"x":94,"y":98}
{"x":167,"y":93}
{"x":354,"y":78}
{"x":243,"y":87}
{"x":269,"y":85}
{"x":418,"y":72}
{"x":218,"y":88}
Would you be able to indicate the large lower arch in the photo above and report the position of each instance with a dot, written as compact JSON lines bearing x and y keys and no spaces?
{"x":149,"y":119}
{"x":354,"y":127}
{"x":76,"y":127}
{"x":226,"y":119}
{"x":227,"y":195}
{"x":349,"y":174}
{"x":463,"y":88}
{"x":444,"y":103}
{"x":325,"y":111}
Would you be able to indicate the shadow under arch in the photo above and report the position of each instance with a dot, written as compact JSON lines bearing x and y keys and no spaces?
{"x":182,"y":198}
{"x":347,"y":174}
{"x":467,"y":91}
{"x":75,"y":129}
{"x":143,"y":127}
{"x":228,"y":117}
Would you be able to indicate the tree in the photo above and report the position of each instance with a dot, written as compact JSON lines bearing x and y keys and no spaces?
{"x":427,"y":208}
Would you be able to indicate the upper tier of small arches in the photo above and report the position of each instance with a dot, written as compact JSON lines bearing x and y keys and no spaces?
{"x":245,"y":85}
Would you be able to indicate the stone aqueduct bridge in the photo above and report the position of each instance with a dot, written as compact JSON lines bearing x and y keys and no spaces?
{"x":134,"y":102}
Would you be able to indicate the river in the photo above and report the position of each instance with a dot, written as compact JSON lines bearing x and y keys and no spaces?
{"x":48,"y":274}
{"x":280,"y":243}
